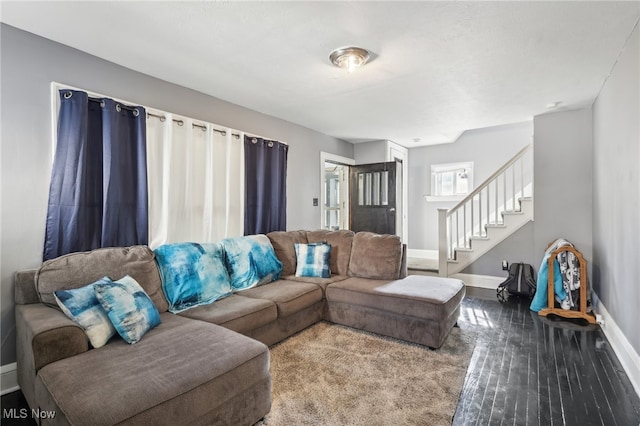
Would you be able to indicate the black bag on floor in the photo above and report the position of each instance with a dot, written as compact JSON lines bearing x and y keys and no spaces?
{"x":520,"y":282}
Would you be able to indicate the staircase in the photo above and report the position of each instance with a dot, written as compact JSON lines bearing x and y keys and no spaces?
{"x":497,"y":208}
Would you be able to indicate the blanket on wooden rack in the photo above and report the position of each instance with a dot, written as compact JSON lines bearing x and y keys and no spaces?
{"x":566,"y":277}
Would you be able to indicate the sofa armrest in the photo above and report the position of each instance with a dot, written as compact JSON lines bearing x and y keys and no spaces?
{"x":44,"y":335}
{"x":48,"y":334}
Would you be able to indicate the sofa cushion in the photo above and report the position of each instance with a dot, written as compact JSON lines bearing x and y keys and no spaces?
{"x":130,"y":310}
{"x":181,"y":371}
{"x":251,"y":261}
{"x":192,"y":274}
{"x":283,"y":244}
{"x":322,"y":282}
{"x":341,"y":242}
{"x":77,"y":269}
{"x":376,"y":256}
{"x":237,"y":313}
{"x":84,"y":308}
{"x":312,"y":260}
{"x":289,"y":296}
{"x":419,"y":296}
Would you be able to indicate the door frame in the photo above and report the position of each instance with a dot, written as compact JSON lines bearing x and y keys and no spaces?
{"x":333,"y":158}
{"x":399,"y":153}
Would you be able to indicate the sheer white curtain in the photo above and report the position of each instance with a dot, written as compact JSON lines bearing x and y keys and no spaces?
{"x":196,"y":181}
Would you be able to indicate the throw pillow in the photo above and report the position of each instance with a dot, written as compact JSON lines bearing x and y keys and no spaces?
{"x":251,"y":261}
{"x":130,"y":309}
{"x":192,"y":274}
{"x":82,"y":306}
{"x":313,"y":260}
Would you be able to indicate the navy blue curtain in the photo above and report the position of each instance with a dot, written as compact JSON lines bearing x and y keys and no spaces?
{"x":98,"y":193}
{"x":265,"y":171}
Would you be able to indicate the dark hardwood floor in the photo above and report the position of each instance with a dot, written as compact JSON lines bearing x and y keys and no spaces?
{"x":531,"y":370}
{"x":525,"y":370}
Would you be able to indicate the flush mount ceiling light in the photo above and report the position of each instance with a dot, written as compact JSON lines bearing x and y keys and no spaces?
{"x":349,"y":58}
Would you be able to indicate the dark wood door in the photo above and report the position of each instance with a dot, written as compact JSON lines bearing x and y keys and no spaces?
{"x":372,"y":198}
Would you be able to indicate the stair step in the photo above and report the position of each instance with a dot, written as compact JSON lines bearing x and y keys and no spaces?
{"x":507,"y":212}
{"x":479,"y":238}
{"x":464,"y":249}
{"x":495,"y":225}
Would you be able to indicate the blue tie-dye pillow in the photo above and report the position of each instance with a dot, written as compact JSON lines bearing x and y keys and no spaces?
{"x":83,"y":307}
{"x":192,"y":274}
{"x":312,"y":260}
{"x":130,"y":309}
{"x":251,"y":261}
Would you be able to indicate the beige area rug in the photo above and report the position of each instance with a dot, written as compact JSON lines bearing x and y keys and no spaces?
{"x":334,"y":375}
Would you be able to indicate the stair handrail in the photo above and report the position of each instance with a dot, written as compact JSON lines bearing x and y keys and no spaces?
{"x":444,"y":215}
{"x":490,"y":179}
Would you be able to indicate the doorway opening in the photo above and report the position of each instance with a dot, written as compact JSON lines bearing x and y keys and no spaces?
{"x":336,"y":203}
{"x":335,"y":191}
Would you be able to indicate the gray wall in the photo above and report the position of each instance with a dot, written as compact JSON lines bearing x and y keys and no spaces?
{"x":562,"y":194}
{"x":370,"y":152}
{"x":518,"y":247}
{"x":29,"y":65}
{"x":563,"y":169}
{"x":488,"y":148}
{"x":616,"y":193}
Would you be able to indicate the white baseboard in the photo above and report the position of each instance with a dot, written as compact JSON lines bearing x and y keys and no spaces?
{"x":482,"y":281}
{"x":422,"y":254}
{"x":628,"y":357}
{"x":9,"y":378}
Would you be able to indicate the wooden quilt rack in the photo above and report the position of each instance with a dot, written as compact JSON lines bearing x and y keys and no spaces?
{"x":571,"y":313}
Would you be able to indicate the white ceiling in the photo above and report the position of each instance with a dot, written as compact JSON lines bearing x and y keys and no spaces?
{"x":439,"y":68}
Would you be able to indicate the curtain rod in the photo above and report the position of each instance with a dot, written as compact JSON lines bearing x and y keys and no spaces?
{"x":162,"y":118}
{"x":119,"y":106}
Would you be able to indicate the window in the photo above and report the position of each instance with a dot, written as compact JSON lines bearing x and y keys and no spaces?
{"x":451,"y":180}
{"x":195,"y":175}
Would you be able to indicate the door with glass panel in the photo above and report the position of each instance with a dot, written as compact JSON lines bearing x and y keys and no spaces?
{"x":373,"y":190}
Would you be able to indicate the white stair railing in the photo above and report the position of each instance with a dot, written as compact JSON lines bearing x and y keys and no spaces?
{"x":486,"y":206}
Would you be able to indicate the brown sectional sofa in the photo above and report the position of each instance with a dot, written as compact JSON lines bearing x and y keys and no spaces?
{"x":210,"y":364}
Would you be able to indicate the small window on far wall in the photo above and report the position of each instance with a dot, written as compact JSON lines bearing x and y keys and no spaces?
{"x":451,"y":181}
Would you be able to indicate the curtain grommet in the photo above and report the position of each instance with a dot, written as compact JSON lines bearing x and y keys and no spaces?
{"x":254,"y":140}
{"x":68,"y":95}
{"x":118,"y":107}
{"x":136,"y":112}
{"x":270,"y":144}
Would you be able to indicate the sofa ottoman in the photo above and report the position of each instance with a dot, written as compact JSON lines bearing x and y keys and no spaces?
{"x":417,"y":308}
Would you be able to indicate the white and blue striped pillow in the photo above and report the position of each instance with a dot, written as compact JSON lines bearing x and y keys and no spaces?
{"x":313,"y":260}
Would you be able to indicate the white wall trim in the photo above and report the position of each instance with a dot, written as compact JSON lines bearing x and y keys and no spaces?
{"x":481,"y":281}
{"x":9,"y":378}
{"x":422,"y":254}
{"x":628,"y":357}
